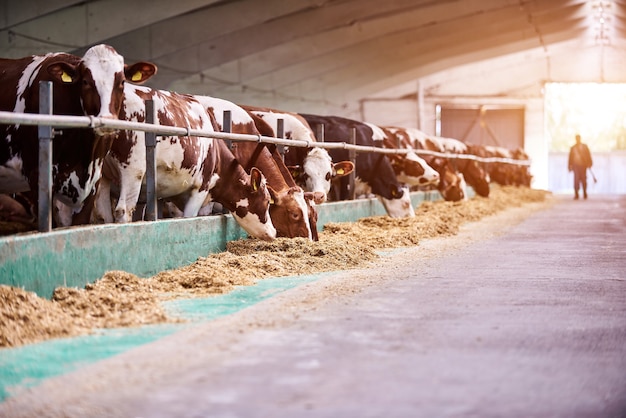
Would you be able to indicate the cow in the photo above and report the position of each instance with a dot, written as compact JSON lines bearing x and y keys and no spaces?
{"x":91,"y":85}
{"x":523,"y":177}
{"x":311,"y":167}
{"x":373,"y":171}
{"x":191,"y":170}
{"x":409,"y":168}
{"x":473,"y":173}
{"x":291,"y":211}
{"x":13,"y":211}
{"x":503,"y":173}
{"x":451,"y":184}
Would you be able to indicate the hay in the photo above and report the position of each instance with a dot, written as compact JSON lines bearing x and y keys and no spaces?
{"x":121,"y":299}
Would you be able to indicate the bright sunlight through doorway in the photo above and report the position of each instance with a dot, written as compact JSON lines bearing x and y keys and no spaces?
{"x":596,"y":111}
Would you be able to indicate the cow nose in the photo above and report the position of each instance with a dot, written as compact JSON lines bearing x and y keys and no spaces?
{"x":267,"y":237}
{"x":319,"y":197}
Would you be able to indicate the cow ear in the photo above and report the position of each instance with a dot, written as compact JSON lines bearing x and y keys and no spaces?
{"x":256,"y":179}
{"x":295,"y":170}
{"x":63,"y":72}
{"x":343,"y":168}
{"x":139,"y":72}
{"x":396,"y":192}
{"x":273,"y":195}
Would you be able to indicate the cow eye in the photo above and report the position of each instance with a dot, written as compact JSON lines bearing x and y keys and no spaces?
{"x":328,"y":176}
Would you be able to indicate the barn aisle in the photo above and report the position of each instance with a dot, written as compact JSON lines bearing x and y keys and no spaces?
{"x":521,"y":314}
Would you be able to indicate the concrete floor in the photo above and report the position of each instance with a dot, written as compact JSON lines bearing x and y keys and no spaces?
{"x":529,"y":320}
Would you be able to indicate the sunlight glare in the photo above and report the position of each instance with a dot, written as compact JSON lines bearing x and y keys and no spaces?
{"x":596,"y":111}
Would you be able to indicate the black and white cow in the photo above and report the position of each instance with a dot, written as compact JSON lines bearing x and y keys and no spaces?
{"x":374,"y":174}
{"x":410,"y":168}
{"x":89,"y":85}
{"x":451,"y":184}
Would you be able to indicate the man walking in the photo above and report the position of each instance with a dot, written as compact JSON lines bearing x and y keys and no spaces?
{"x":579,"y":162}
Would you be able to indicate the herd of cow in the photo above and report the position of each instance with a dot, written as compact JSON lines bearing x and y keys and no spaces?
{"x":98,"y":173}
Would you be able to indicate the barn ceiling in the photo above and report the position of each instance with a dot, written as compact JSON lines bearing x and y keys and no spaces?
{"x":327,"y":55}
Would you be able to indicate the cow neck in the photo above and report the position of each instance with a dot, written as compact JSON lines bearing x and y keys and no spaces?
{"x":264,"y":162}
{"x":284,"y":170}
{"x":379,"y":158}
{"x":255,"y":156}
{"x":230,"y":172}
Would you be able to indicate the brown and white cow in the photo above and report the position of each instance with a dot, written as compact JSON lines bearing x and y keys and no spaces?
{"x":374,"y":174}
{"x":191,"y":171}
{"x":291,"y":210}
{"x":409,"y":168}
{"x":312,"y":168}
{"x":13,"y":211}
{"x":473,"y":173}
{"x":451,"y":183}
{"x":506,"y":174}
{"x":89,"y":85}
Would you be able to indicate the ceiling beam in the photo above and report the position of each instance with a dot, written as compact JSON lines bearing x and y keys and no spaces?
{"x":79,"y":25}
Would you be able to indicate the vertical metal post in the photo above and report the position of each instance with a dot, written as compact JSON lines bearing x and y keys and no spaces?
{"x":319,"y":135}
{"x":227,"y":127}
{"x":352,"y":157}
{"x":44,"y":209}
{"x":151,"y":180}
{"x":280,"y":133}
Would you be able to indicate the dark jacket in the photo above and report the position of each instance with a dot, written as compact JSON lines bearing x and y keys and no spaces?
{"x":579,"y":156}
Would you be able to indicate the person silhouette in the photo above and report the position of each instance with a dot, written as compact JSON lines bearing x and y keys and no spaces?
{"x":579,"y":161}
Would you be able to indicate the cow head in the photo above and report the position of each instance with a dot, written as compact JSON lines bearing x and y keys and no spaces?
{"x":290,"y":214}
{"x":318,"y":171}
{"x":100,"y":75}
{"x":450,"y":183}
{"x":475,"y":176}
{"x":252,"y":212}
{"x":399,"y":206}
{"x":415,"y":171}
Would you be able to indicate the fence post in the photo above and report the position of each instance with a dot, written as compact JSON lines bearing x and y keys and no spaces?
{"x":151,"y":180}
{"x":44,"y":212}
{"x":319,"y":136}
{"x":227,"y":127}
{"x":280,"y":133}
{"x":352,"y":157}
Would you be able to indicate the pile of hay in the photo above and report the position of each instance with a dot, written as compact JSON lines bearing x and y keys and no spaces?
{"x":121,"y":299}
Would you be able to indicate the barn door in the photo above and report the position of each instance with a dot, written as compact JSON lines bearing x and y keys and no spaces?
{"x":484,"y":125}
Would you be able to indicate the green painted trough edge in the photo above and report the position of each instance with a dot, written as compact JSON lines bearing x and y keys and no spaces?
{"x":73,"y":257}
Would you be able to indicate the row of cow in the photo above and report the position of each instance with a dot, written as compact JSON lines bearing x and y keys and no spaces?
{"x":98,"y":174}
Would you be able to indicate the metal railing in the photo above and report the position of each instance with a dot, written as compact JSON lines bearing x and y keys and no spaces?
{"x":46,"y":121}
{"x":60,"y":121}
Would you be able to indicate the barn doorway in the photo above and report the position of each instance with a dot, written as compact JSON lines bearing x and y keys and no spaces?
{"x":482,"y":125}
{"x":596,"y":111}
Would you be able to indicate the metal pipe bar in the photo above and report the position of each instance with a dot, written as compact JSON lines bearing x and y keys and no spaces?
{"x":94,"y":122}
